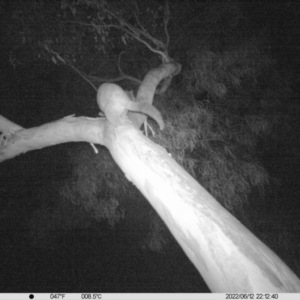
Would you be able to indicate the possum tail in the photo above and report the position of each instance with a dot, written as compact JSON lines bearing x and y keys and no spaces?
{"x":148,"y":110}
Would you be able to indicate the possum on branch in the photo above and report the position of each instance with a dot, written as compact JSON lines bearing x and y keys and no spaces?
{"x":115,"y":103}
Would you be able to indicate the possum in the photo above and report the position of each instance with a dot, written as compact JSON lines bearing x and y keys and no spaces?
{"x":115,"y":104}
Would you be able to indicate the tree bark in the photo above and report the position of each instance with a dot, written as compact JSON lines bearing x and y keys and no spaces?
{"x":227,"y":255}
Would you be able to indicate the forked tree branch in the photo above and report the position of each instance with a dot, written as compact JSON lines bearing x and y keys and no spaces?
{"x":142,"y":35}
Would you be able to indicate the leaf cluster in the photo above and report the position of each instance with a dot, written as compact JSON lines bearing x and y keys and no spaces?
{"x":93,"y":185}
{"x":215,"y":126}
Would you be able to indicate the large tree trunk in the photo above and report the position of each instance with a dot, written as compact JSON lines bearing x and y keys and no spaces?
{"x":228,"y":256}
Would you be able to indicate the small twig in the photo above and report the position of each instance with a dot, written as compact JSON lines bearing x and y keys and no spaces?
{"x":122,"y":77}
{"x":119,"y":59}
{"x":166,"y":21}
{"x":83,"y":76}
{"x":135,"y":33}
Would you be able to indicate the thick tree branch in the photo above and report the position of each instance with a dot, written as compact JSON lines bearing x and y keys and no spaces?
{"x":228,"y":256}
{"x":69,"y":129}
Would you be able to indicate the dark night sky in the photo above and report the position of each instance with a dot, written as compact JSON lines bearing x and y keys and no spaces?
{"x":103,"y":260}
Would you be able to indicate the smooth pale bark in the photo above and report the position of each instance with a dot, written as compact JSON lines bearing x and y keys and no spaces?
{"x":16,"y":140}
{"x":228,"y":256}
